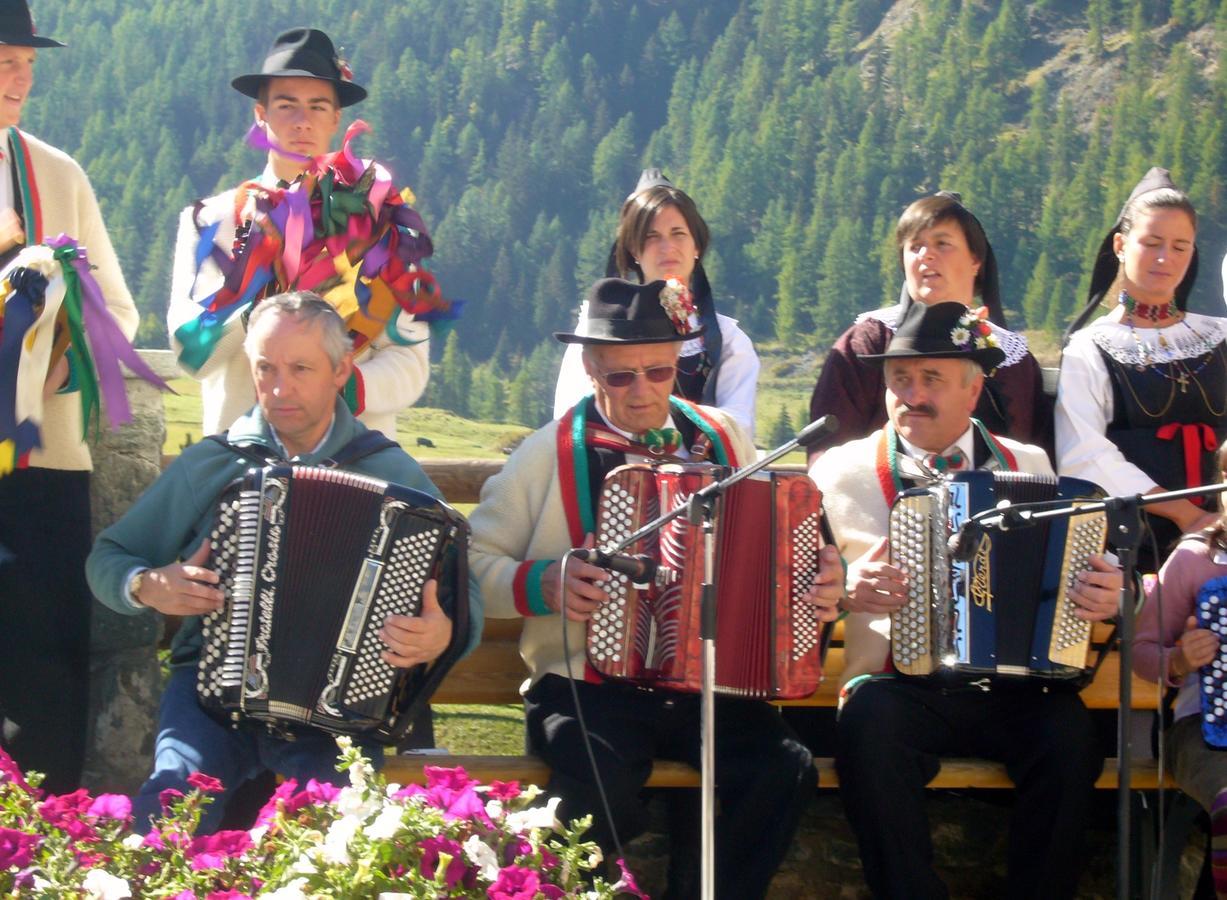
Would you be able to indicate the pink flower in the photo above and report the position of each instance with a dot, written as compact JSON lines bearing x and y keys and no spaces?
{"x":228,"y":895}
{"x":503,"y":790}
{"x":111,"y":806}
{"x":451,"y":790}
{"x":626,"y":884}
{"x":322,"y":791}
{"x":168,"y":797}
{"x":279,"y":800}
{"x":515,"y":883}
{"x":211,"y":851}
{"x":67,"y":808}
{"x":10,"y":771}
{"x":17,"y":848}
{"x":206,"y":784}
{"x":185,"y":894}
{"x":456,"y":867}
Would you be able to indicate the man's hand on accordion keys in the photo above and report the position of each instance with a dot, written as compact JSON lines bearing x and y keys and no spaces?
{"x":828,"y":587}
{"x":183,"y":588}
{"x":873,"y":585}
{"x":412,"y":640}
{"x":1097,"y":590}
{"x":580,"y":594}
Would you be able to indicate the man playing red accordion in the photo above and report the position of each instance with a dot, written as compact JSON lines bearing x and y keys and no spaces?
{"x":892,"y":732}
{"x":542,"y":504}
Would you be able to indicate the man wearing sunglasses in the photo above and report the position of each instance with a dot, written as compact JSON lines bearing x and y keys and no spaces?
{"x":541,"y":505}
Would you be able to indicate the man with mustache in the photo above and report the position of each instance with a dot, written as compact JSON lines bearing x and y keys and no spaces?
{"x":893,"y":731}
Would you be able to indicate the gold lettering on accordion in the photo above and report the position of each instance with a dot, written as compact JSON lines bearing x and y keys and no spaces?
{"x":980,"y":585}
{"x":268,"y":571}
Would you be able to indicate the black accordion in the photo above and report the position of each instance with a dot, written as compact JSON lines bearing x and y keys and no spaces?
{"x":312,"y":560}
{"x":1004,"y":612}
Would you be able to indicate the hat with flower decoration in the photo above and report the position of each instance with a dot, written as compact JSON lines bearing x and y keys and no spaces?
{"x":303,"y":53}
{"x":623,"y":312}
{"x":17,"y":26}
{"x":943,"y":331}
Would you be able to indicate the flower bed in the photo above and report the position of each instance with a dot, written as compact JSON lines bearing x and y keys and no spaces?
{"x":450,"y":838}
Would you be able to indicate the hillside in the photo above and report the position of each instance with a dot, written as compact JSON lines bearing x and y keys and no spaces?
{"x":801,"y":127}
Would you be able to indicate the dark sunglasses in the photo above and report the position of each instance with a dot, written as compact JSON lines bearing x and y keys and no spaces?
{"x":625,"y":377}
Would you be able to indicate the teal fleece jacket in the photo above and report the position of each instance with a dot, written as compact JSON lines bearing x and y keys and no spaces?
{"x":177,"y":512}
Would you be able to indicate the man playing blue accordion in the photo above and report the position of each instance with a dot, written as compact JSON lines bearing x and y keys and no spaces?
{"x":893,"y":731}
{"x":154,"y":556}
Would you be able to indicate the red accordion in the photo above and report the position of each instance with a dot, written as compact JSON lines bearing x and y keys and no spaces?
{"x":768,"y":533}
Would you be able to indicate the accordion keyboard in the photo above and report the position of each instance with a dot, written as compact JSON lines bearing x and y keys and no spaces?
{"x":1212,"y":615}
{"x":912,"y":525}
{"x":1071,"y":635}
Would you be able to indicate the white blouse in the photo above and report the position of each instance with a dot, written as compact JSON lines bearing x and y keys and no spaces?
{"x":1084,"y":393}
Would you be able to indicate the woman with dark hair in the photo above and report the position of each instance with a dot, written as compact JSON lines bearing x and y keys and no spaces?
{"x":945,"y":256}
{"x":662,"y":237}
{"x":1142,"y":398}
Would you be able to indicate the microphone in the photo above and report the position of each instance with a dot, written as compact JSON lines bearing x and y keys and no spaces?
{"x":962,"y":544}
{"x":817,"y":430}
{"x":640,"y":569}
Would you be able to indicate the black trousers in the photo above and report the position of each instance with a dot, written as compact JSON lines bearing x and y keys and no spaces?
{"x":45,"y":608}
{"x":764,"y":774}
{"x":891,"y":736}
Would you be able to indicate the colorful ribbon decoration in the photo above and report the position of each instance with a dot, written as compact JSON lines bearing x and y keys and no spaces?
{"x":1195,"y":437}
{"x":85,"y":330}
{"x":342,"y":231}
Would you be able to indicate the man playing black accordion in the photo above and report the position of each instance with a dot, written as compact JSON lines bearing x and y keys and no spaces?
{"x":154,"y":556}
{"x":541,"y":505}
{"x":893,"y":730}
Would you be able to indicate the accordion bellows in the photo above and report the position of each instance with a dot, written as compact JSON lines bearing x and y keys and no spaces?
{"x":767,"y":540}
{"x":1006,"y":611}
{"x":312,"y":561}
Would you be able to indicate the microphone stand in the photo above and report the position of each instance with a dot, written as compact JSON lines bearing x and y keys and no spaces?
{"x":1124,"y":515}
{"x":700,"y":510}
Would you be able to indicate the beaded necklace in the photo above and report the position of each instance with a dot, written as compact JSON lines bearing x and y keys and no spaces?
{"x":1171,"y":368}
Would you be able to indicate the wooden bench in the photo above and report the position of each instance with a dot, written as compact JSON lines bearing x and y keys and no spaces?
{"x":492,"y":675}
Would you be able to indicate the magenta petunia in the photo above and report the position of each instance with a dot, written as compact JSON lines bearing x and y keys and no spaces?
{"x":17,"y":848}
{"x":456,"y":867}
{"x":503,"y":790}
{"x":214,"y":849}
{"x":515,"y":883}
{"x":10,"y":771}
{"x":322,"y":791}
{"x":65,"y":808}
{"x":228,"y":895}
{"x":626,"y":884}
{"x":111,"y":806}
{"x":279,"y":800}
{"x":455,"y":779}
{"x":206,"y":784}
{"x":168,"y":797}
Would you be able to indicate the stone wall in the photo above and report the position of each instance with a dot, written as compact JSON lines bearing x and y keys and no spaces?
{"x":126,"y":679}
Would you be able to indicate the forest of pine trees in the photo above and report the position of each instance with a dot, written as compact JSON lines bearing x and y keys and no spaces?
{"x":801,"y":127}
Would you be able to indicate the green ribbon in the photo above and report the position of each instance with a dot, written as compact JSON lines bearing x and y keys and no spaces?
{"x":661,"y":440}
{"x":88,"y":379}
{"x":337,"y":204}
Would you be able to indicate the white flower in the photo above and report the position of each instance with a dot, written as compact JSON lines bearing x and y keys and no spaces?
{"x":960,"y":336}
{"x":39,"y":257}
{"x":133,"y":842}
{"x":336,"y":841}
{"x":494,"y":809}
{"x":981,"y":343}
{"x":257,"y":834}
{"x":481,"y":855}
{"x":100,"y":885}
{"x":304,"y":865}
{"x":535,"y":817}
{"x":386,"y":824}
{"x":292,"y":891}
{"x":353,"y":801}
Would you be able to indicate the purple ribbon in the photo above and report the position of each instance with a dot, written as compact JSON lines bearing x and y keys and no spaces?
{"x":257,"y":137}
{"x":106,"y":340}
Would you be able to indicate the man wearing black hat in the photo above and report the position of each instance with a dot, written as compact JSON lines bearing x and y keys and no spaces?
{"x":892,"y":732}
{"x":542,"y":504}
{"x":44,"y":504}
{"x":299,"y":93}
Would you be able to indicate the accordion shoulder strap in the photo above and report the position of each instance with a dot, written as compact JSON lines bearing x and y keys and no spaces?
{"x":363,"y":445}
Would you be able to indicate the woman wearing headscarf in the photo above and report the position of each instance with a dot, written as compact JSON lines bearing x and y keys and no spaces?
{"x":662,"y":237}
{"x":945,"y":257}
{"x":1142,"y":397}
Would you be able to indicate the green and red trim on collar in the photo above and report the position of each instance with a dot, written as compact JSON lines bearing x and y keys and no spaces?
{"x":886,"y":463}
{"x":28,"y":186}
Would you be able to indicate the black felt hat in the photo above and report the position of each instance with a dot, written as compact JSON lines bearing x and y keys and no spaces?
{"x":303,"y":53}
{"x":623,"y":312}
{"x":1107,"y":266}
{"x":17,"y":26}
{"x":943,"y":331}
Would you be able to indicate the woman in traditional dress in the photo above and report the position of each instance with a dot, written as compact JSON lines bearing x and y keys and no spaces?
{"x":1142,"y":397}
{"x":662,"y":237}
{"x":945,"y":256}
